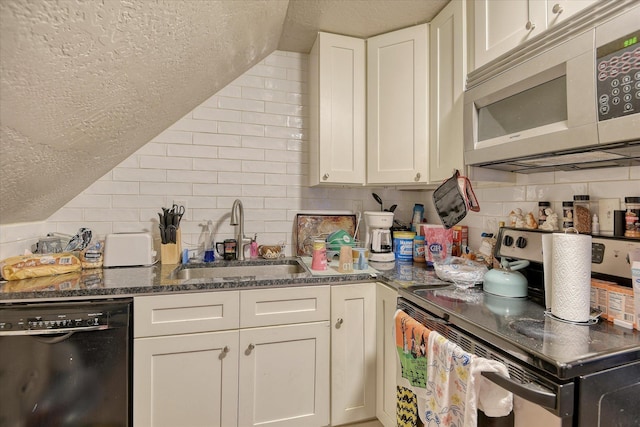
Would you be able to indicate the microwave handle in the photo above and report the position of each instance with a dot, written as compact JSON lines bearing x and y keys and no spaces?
{"x":539,"y":397}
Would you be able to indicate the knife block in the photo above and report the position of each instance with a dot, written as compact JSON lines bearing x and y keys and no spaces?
{"x":170,"y":253}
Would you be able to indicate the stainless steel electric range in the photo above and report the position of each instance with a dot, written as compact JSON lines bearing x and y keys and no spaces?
{"x":579,"y":375}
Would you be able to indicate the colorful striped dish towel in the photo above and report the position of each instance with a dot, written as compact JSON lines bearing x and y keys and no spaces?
{"x":411,"y":342}
{"x":456,"y":389}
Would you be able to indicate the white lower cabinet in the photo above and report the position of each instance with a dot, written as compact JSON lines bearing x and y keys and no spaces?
{"x":186,"y":380}
{"x":386,"y":303}
{"x":284,"y":376}
{"x":273,"y":373}
{"x":353,"y":353}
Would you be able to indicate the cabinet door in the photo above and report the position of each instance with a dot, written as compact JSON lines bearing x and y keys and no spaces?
{"x":353,"y":353}
{"x":186,"y":380}
{"x":284,"y":376}
{"x":386,"y":302}
{"x":560,"y":10}
{"x":397,"y":107}
{"x":337,"y":82}
{"x":447,"y":75}
{"x":502,"y":25}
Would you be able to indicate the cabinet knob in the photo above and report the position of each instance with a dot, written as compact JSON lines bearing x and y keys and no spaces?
{"x":417,"y":178}
{"x":325,"y":176}
{"x":530,"y":26}
{"x":251,"y":347}
{"x":339,"y":322}
{"x":226,"y":349}
{"x":557,"y":9}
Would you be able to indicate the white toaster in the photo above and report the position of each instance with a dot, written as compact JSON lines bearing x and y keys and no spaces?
{"x":128,"y":249}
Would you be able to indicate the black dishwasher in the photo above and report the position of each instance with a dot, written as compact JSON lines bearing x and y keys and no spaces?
{"x":65,"y":364}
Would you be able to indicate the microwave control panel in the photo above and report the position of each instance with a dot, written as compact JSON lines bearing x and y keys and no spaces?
{"x":618,"y":83}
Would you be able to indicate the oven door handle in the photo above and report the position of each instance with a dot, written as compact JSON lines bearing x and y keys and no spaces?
{"x":539,"y":397}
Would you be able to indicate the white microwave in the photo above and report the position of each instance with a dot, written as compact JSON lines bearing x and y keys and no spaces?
{"x":575,"y":105}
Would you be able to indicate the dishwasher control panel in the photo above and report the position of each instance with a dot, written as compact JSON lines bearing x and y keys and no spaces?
{"x":60,"y":318}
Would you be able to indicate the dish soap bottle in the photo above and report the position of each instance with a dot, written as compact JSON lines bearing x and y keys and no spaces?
{"x":253,"y":248}
{"x":418,"y":212}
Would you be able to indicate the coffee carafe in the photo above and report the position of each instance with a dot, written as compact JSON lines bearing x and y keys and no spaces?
{"x":378,"y":236}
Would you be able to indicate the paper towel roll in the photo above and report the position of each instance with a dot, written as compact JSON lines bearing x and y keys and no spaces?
{"x":547,"y":265}
{"x":571,"y":276}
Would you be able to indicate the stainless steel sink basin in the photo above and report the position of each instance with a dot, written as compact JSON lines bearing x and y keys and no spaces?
{"x":272,"y":269}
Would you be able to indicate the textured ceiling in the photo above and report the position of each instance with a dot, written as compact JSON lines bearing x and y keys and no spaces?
{"x":83,"y":84}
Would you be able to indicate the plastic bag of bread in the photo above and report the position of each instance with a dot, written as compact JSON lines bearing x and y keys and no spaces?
{"x":39,"y":265}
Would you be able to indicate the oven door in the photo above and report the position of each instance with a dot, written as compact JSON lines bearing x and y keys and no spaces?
{"x":538,"y":401}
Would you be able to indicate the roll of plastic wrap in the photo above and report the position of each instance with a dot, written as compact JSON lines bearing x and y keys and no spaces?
{"x":547,"y":265}
{"x":571,"y":276}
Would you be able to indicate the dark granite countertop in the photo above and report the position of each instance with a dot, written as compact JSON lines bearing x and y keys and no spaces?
{"x":158,"y":279}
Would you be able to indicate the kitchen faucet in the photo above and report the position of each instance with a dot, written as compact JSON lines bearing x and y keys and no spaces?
{"x":237,"y":219}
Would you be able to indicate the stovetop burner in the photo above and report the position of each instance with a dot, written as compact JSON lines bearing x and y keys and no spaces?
{"x":532,"y":328}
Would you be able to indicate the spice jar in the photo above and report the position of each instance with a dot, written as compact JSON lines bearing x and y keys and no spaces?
{"x":632,"y":217}
{"x":542,"y":214}
{"x":582,"y":213}
{"x":567,"y":215}
{"x":418,"y":249}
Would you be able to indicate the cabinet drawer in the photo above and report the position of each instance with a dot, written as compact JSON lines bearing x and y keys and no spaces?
{"x":266,"y":307}
{"x":185,"y":313}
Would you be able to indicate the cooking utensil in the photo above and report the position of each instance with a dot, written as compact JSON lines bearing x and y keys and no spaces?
{"x":378,"y":199}
{"x":393,"y":208}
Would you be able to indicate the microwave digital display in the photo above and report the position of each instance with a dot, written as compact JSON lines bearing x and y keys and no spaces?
{"x":618,"y":83}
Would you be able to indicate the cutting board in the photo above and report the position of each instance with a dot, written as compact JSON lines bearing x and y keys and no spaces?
{"x":318,"y":226}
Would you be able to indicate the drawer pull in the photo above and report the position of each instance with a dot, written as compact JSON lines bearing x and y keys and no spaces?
{"x":226,"y":349}
{"x":339,"y":322}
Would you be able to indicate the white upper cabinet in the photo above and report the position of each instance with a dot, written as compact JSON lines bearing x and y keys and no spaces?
{"x":397,"y":107}
{"x":502,"y":25}
{"x":337,"y":82}
{"x":447,"y":74}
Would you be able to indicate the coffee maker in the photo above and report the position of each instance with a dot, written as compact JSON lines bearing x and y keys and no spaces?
{"x":378,"y":236}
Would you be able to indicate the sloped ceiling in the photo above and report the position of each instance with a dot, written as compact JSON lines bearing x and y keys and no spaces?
{"x":84,"y":84}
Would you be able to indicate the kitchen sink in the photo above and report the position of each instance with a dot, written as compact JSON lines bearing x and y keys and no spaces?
{"x":263,"y":269}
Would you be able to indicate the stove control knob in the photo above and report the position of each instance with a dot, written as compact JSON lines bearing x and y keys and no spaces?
{"x":521,"y":242}
{"x":507,"y":241}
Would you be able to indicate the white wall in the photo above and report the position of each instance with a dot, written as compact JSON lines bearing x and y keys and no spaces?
{"x":249,"y":141}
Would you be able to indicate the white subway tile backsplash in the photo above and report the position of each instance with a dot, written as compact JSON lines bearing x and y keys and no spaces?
{"x":243,"y":105}
{"x":193,"y":125}
{"x":112,"y":215}
{"x":286,"y":109}
{"x":264,"y":94}
{"x":268,"y":71}
{"x":284,"y":85}
{"x":220,"y":189}
{"x":283,"y":132}
{"x":263,"y":142}
{"x":130,"y":174}
{"x":241,"y":129}
{"x":285,"y":61}
{"x":113,"y":187}
{"x":216,"y":114}
{"x":157,"y":162}
{"x":241,"y":178}
{"x":241,"y":153}
{"x":140,"y":201}
{"x":161,"y":188}
{"x":85,"y":200}
{"x":230,"y":91}
{"x":196,"y":176}
{"x":262,"y":166}
{"x":217,"y":165}
{"x":283,"y":156}
{"x":216,"y":140}
{"x":247,"y":80}
{"x":174,"y":137}
{"x":192,"y":151}
{"x":264,"y":119}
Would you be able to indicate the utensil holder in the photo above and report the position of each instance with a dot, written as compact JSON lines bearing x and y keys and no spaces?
{"x":170,"y":253}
